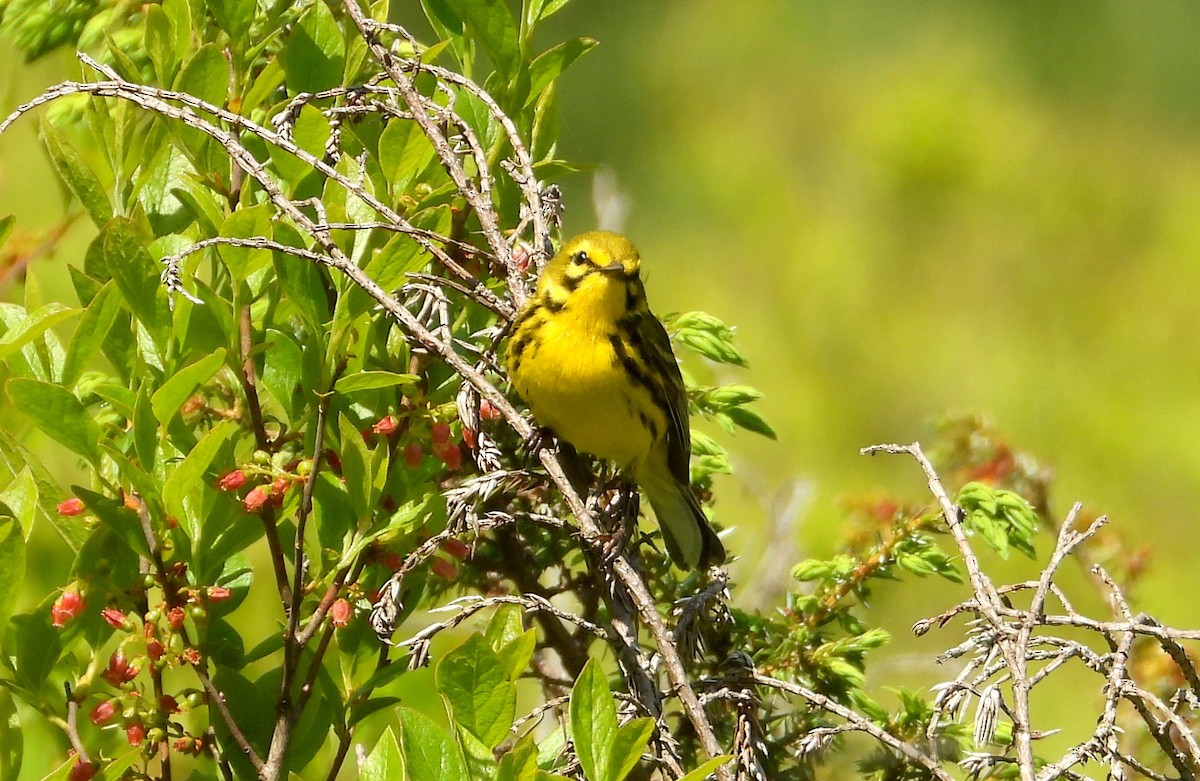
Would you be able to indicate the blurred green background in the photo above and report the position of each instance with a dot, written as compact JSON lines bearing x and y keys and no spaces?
{"x":905,"y":209}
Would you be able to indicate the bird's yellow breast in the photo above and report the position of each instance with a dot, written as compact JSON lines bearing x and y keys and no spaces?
{"x":571,"y":377}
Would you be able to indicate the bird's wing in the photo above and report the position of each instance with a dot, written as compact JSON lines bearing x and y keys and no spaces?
{"x":661,"y":360}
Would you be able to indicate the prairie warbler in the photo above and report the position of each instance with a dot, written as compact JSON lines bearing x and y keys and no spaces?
{"x":596,"y":367}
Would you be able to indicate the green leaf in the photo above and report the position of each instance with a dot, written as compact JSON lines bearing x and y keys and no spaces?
{"x":385,"y":762}
{"x":371,"y":380}
{"x":551,"y":63}
{"x":12,"y":564}
{"x":206,"y":76}
{"x":118,"y":519}
{"x":34,"y":644}
{"x":628,"y":746}
{"x":246,"y":223}
{"x":159,"y":44}
{"x":505,"y":625}
{"x":234,"y":17}
{"x":283,"y":372}
{"x":751,"y":421}
{"x":515,"y":655}
{"x":21,"y":499}
{"x":175,"y":391}
{"x":707,"y":769}
{"x":476,"y":687}
{"x":429,"y":753}
{"x":91,"y":332}
{"x":6,"y":226}
{"x":520,"y":762}
{"x":34,"y":325}
{"x":135,"y":273}
{"x":12,"y":738}
{"x":314,"y":55}
{"x":540,"y":10}
{"x":355,"y":458}
{"x":60,"y":415}
{"x":495,"y":30}
{"x":185,"y":483}
{"x":310,"y":133}
{"x":79,"y":178}
{"x":404,"y":151}
{"x":593,"y":722}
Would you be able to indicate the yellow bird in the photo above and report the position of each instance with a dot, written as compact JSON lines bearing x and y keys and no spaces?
{"x":596,"y":367}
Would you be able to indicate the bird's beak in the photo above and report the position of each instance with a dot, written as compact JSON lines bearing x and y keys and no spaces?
{"x":622,"y":269}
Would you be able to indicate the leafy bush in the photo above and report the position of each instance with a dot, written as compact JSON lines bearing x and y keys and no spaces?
{"x":303,"y":466}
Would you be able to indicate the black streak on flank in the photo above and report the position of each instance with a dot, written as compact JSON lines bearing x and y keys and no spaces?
{"x":636,"y":373}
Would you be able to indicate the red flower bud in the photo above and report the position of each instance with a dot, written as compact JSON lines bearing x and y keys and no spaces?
{"x":255,"y":500}
{"x":72,"y":506}
{"x":218,"y":593}
{"x":119,"y":669}
{"x":393,"y":560}
{"x":193,"y":404}
{"x":488,"y":411}
{"x":154,"y":649}
{"x":440,"y":433}
{"x":521,"y":255}
{"x":455,"y":547}
{"x":135,"y":733}
{"x":340,"y":612}
{"x":114,"y":618}
{"x":386,"y":426}
{"x":175,"y":618}
{"x":131,"y":501}
{"x":168,"y":704}
{"x":103,"y":712}
{"x":82,"y":771}
{"x":444,"y":569}
{"x":469,"y":437}
{"x":231,"y":481}
{"x":451,"y":456}
{"x":413,"y":453}
{"x":66,"y":607}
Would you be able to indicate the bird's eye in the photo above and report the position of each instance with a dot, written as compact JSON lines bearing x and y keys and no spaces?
{"x":581,"y":258}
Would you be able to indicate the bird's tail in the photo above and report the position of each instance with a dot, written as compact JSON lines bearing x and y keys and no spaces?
{"x":690,"y":538}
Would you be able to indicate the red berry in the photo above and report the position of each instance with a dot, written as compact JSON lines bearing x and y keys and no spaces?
{"x":393,"y":560}
{"x":103,"y":712}
{"x":119,"y":669}
{"x":231,"y":481}
{"x":469,"y":438}
{"x":413,"y":453}
{"x":72,"y":506}
{"x":488,"y":411}
{"x":386,"y":426}
{"x":135,"y":733}
{"x":440,"y":433}
{"x":255,"y":500}
{"x":82,"y":771}
{"x":114,"y":618}
{"x":66,"y":607}
{"x":340,"y":612}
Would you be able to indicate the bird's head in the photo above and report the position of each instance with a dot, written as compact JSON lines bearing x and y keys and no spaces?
{"x":596,"y":274}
